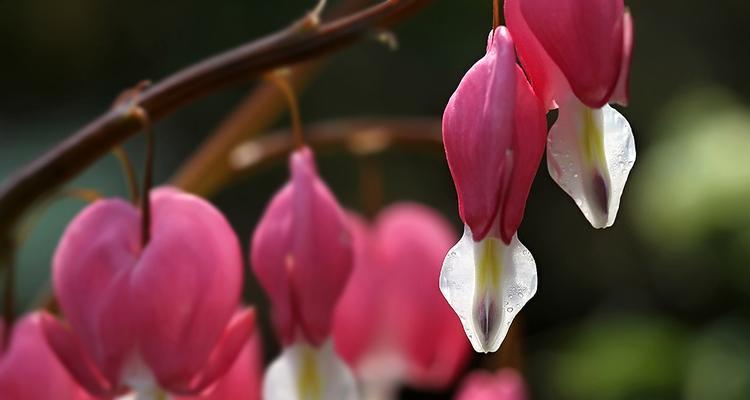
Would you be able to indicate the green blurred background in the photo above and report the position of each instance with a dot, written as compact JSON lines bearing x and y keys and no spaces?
{"x":657,"y":307}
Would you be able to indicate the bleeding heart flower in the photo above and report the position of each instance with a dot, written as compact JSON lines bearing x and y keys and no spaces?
{"x":577,"y":55}
{"x":392,"y":324}
{"x":153,"y":318}
{"x":28,"y":368}
{"x":301,"y":252}
{"x":494,"y":137}
{"x":505,"y":385}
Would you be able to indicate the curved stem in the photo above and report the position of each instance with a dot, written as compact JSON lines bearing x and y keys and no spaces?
{"x":286,"y":89}
{"x":128,"y":171}
{"x":495,"y":14}
{"x":148,"y":177}
{"x":302,"y":41}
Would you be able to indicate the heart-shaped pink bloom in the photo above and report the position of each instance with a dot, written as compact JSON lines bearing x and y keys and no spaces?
{"x":505,"y":385}
{"x":392,"y":319}
{"x":159,"y":315}
{"x":28,"y":368}
{"x":582,"y":46}
{"x":301,"y":252}
{"x":494,"y":134}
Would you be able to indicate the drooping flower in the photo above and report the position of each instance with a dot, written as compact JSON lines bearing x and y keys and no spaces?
{"x":392,"y":324}
{"x":301,"y":253}
{"x":28,"y":368}
{"x":504,"y":385}
{"x":149,"y":319}
{"x":494,"y":137}
{"x":577,"y":55}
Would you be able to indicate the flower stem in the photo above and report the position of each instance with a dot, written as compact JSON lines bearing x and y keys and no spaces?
{"x":496,"y":18}
{"x":128,"y":171}
{"x":286,"y":89}
{"x":148,"y":177}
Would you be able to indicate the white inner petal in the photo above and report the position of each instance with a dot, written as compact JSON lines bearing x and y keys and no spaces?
{"x":590,"y":154}
{"x":303,"y":372}
{"x":487,"y":283}
{"x":137,"y":376}
{"x":145,"y":394}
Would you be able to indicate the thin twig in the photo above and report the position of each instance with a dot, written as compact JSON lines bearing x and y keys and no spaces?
{"x":148,"y":177}
{"x":291,"y":98}
{"x":495,"y":14}
{"x":129,"y":172}
{"x":363,"y":137}
{"x":285,"y":47}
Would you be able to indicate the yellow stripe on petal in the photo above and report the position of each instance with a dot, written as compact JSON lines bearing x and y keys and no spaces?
{"x":489,"y":265}
{"x":309,"y":386}
{"x":592,"y":140}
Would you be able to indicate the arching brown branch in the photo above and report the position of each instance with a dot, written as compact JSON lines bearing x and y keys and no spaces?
{"x":252,"y":116}
{"x":301,"y":41}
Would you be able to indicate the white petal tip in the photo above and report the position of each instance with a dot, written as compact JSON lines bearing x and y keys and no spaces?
{"x":590,"y":154}
{"x":303,"y":372}
{"x":487,"y":283}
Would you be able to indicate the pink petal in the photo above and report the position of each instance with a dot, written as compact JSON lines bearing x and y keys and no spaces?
{"x":269,"y":254}
{"x":585,"y":40}
{"x":359,"y":310}
{"x":413,"y":240}
{"x":529,"y":141}
{"x":323,"y":249}
{"x":548,"y":81}
{"x":29,"y":370}
{"x":236,"y":335}
{"x":186,"y":285}
{"x":622,"y":91}
{"x":505,"y":385}
{"x":303,"y":238}
{"x":69,"y":352}
{"x":243,"y":380}
{"x":91,"y":268}
{"x":478,"y":130}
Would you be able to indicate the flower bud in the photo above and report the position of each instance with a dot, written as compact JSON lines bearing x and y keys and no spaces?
{"x":301,"y":252}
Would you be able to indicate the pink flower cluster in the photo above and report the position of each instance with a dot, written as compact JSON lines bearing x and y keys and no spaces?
{"x":575,"y":56}
{"x":355,"y":304}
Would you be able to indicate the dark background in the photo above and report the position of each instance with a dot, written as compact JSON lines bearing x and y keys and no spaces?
{"x":655,"y":307}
